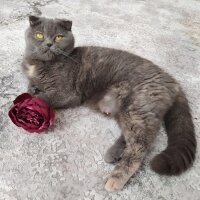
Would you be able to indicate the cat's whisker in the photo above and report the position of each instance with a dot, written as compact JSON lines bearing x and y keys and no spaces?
{"x":59,"y":51}
{"x":36,"y":50}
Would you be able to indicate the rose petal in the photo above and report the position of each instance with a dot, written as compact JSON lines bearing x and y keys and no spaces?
{"x":36,"y":106}
{"x":31,"y":113}
{"x":49,"y":121}
{"x":51,"y":115}
{"x":30,"y":119}
{"x":44,"y":114}
{"x":27,"y":126}
{"x":27,"y":103}
{"x":22,"y":97}
{"x":41,"y":129}
{"x":40,"y":101}
{"x":13,"y":118}
{"x":42,"y":107}
{"x":20,"y":123}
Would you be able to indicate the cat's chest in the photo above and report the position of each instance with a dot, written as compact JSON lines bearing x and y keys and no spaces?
{"x":30,"y":70}
{"x":42,"y":70}
{"x":48,"y":75}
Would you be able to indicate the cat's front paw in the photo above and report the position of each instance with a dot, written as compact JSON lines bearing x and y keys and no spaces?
{"x":114,"y":183}
{"x":33,"y":90}
{"x":44,"y":97}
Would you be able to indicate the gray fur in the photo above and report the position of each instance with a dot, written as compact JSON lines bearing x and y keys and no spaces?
{"x":140,"y":96}
{"x":40,"y":50}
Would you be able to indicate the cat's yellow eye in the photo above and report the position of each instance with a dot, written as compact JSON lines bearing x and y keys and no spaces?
{"x":58,"y":38}
{"x":39,"y":36}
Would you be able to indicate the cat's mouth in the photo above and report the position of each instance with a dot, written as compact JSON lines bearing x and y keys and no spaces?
{"x":48,"y":53}
{"x":47,"y":50}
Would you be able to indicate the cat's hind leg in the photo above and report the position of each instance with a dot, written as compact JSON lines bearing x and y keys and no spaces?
{"x":139,"y":134}
{"x":115,"y":152}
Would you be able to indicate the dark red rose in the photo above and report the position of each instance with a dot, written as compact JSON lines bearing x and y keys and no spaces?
{"x":31,"y":113}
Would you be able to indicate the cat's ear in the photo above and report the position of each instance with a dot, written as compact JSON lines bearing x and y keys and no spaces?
{"x":66,"y":24}
{"x":34,"y":20}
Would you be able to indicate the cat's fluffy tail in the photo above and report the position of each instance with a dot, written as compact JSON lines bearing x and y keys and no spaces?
{"x":180,"y":152}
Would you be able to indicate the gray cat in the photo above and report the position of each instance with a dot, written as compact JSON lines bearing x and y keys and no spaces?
{"x":131,"y":89}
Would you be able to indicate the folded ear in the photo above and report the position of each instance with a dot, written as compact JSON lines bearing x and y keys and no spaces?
{"x":34,"y":20}
{"x":66,"y":24}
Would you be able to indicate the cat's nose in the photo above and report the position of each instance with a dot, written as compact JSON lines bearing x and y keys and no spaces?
{"x":49,"y":44}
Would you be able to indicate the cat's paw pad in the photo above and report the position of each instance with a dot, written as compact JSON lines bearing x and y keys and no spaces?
{"x":114,"y":184}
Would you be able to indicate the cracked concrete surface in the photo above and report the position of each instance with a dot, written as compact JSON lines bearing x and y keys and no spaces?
{"x":67,"y":162}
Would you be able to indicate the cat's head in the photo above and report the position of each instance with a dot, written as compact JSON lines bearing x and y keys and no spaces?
{"x":47,"y":38}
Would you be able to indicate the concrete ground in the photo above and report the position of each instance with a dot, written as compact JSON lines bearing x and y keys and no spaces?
{"x":67,"y":163}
